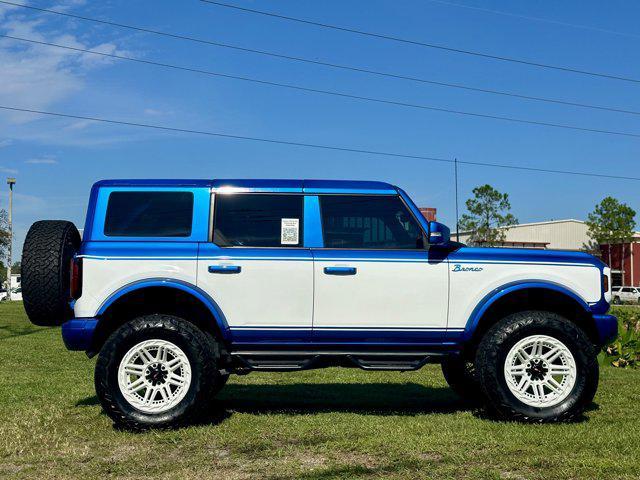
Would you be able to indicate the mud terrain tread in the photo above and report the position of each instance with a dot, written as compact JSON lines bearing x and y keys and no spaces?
{"x":500,"y":401}
{"x":46,"y":256}
{"x":205,"y":384}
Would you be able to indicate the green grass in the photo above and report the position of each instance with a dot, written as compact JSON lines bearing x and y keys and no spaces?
{"x":324,"y":424}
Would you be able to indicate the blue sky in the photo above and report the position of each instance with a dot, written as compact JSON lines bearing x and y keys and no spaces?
{"x":57,"y":160}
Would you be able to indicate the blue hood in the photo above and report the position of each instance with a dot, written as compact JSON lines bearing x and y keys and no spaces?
{"x":524,"y":255}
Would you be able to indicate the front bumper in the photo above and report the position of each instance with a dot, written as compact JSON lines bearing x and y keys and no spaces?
{"x":77,"y":333}
{"x":607,"y":327}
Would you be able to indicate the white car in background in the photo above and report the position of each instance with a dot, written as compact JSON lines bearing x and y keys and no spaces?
{"x":16,"y":294}
{"x":625,"y":295}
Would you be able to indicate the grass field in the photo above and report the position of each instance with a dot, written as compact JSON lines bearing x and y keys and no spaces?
{"x":324,"y":424}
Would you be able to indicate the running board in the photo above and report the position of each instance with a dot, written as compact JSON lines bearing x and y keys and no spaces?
{"x":389,"y":363}
{"x":274,"y":363}
{"x":286,"y":361}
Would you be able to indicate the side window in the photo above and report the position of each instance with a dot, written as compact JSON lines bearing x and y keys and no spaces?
{"x":368,"y":221}
{"x":149,"y":214}
{"x":258,"y":220}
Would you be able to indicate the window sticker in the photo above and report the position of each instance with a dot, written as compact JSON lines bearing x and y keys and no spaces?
{"x":289,"y":231}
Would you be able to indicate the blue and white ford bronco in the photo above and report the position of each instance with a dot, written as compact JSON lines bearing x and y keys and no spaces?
{"x":176,"y":284}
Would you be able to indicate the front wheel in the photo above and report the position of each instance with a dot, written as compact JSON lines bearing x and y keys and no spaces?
{"x":460,"y":374}
{"x":616,"y":300}
{"x":157,"y":371}
{"x":537,"y":367}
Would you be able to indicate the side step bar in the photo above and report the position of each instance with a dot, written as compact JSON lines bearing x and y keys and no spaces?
{"x":390,"y":363}
{"x":285,"y":361}
{"x":275,"y":364}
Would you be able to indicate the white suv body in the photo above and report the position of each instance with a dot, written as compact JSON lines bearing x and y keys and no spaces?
{"x":626,"y":295}
{"x":295,"y":274}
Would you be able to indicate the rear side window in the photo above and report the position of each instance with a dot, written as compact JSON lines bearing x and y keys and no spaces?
{"x":368,"y":221}
{"x":149,"y":214}
{"x":258,"y":220}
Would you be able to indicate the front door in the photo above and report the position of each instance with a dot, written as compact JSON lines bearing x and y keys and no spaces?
{"x":256,"y":269}
{"x":375,"y":282}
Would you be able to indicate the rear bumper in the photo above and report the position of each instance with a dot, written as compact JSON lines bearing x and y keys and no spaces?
{"x":77,"y":334}
{"x":607,"y":326}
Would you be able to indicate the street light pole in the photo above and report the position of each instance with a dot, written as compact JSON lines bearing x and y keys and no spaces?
{"x":11,"y":182}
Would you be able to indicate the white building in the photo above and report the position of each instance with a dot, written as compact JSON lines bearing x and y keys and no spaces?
{"x":567,"y":234}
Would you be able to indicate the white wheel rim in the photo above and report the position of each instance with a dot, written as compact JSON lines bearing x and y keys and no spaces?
{"x":154,"y":376}
{"x":540,"y":371}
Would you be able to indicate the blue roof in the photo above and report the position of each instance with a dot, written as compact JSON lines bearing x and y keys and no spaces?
{"x":266,"y":185}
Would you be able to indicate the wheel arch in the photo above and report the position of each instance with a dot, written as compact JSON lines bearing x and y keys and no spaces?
{"x":530,"y":295}
{"x":159,"y":295}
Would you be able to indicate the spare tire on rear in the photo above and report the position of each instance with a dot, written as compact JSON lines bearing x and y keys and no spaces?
{"x":47,"y":255}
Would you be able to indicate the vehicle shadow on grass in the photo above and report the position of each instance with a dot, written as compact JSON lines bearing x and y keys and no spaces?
{"x":363,"y":398}
{"x":12,"y":330}
{"x":409,"y":399}
{"x":305,"y":398}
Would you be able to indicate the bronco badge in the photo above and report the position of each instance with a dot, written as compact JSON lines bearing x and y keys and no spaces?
{"x":459,"y":268}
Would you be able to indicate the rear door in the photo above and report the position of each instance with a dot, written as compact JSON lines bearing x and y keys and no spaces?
{"x":256,"y":268}
{"x":375,"y":282}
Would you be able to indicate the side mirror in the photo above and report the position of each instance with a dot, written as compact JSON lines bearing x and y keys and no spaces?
{"x":439,"y":234}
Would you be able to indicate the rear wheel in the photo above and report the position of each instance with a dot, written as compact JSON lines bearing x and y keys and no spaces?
{"x":537,"y":367}
{"x":157,"y":371}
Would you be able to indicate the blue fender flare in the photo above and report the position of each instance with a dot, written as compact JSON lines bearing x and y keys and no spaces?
{"x":502,"y":291}
{"x":186,"y":287}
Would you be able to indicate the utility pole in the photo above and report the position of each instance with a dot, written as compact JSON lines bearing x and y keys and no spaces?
{"x":455,"y":169}
{"x":11,"y":182}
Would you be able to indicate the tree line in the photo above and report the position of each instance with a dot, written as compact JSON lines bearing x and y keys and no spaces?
{"x":489,"y":218}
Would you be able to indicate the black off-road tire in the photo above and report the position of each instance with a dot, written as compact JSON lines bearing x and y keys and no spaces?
{"x":492,"y":353}
{"x":616,"y":301}
{"x":202,"y":351}
{"x":47,"y":254}
{"x":461,"y":375}
{"x":222,"y":381}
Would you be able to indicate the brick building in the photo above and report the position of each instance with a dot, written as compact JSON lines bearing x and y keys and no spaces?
{"x":429,"y":213}
{"x":624,"y":260}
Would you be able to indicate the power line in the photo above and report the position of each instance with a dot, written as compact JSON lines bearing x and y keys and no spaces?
{"x":333,"y":93}
{"x":423,"y":44}
{"x":330,"y":64}
{"x":311,"y":145}
{"x":535,"y":19}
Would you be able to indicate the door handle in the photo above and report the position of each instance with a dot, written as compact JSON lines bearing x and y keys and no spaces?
{"x":224,"y":269}
{"x":340,"y":270}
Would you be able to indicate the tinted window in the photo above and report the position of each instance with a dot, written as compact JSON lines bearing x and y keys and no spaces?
{"x":149,"y":214}
{"x":258,"y":220}
{"x":368,"y":221}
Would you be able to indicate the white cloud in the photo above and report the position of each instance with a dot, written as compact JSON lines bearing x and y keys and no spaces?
{"x":36,"y":76}
{"x":153,"y":112}
{"x":44,"y":160}
{"x":79,"y":125}
{"x":28,"y":204}
{"x":7,"y":142}
{"x":12,"y":171}
{"x":47,"y":78}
